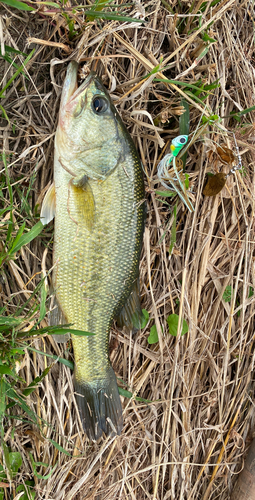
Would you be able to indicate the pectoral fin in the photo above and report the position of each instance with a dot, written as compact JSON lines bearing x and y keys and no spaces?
{"x":84,"y":200}
{"x":49,"y":205}
{"x":131,"y":313}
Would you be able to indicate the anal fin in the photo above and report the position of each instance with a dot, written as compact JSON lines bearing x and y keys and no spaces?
{"x":131,"y":313}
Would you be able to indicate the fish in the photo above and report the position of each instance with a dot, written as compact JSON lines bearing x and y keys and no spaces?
{"x":97,"y":199}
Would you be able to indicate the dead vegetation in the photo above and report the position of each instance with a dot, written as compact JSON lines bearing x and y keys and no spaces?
{"x":189,"y":442}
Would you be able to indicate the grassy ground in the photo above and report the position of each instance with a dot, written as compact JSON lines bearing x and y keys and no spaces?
{"x":190,"y":439}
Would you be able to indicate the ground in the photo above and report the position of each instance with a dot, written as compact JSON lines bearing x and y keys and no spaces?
{"x":185,"y":68}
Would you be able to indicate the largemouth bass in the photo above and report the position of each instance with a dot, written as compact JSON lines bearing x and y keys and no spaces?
{"x":97,"y":200}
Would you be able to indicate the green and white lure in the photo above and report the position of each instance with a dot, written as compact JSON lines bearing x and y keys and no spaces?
{"x":167,"y":178}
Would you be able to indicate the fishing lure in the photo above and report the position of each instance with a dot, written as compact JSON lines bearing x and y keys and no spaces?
{"x":164,"y":173}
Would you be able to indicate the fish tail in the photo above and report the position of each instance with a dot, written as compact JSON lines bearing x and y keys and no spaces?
{"x":99,"y":406}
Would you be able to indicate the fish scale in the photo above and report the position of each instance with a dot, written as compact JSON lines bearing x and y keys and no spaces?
{"x":99,"y":222}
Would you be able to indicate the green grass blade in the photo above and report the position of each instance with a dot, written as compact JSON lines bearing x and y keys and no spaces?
{"x":17,"y":4}
{"x":17,"y":238}
{"x":12,"y":394}
{"x":93,"y":14}
{"x":2,"y":399}
{"x":11,"y":49}
{"x":128,"y":394}
{"x":4,"y":113}
{"x":241,"y":113}
{"x":65,"y":362}
{"x":173,"y":232}
{"x":59,"y":448}
{"x":40,"y":464}
{"x":8,"y":236}
{"x":184,"y":128}
{"x":178,"y":82}
{"x":26,"y":238}
{"x":34,"y":384}
{"x":10,"y":321}
{"x":165,"y":193}
{"x":17,"y":72}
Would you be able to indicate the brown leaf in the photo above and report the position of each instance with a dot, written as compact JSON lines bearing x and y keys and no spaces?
{"x":225,"y":154}
{"x":215,"y":184}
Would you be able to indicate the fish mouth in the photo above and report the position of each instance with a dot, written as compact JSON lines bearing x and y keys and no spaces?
{"x":80,"y":89}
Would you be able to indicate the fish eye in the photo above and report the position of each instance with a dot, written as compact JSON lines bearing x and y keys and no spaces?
{"x":99,"y":105}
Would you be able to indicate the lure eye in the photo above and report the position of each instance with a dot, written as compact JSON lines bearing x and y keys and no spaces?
{"x":99,"y":105}
{"x":180,"y":140}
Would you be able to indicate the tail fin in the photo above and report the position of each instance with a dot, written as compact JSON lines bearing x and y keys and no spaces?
{"x":99,"y":406}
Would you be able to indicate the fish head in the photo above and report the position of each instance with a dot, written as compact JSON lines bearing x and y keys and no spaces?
{"x":90,"y":133}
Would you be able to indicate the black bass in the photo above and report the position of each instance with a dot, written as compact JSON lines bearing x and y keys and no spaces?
{"x":97,"y":201}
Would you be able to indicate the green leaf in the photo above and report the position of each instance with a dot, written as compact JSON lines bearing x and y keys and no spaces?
{"x":178,"y":82}
{"x":241,"y":113}
{"x":210,"y":119}
{"x":140,"y":321}
{"x":4,"y":113}
{"x":17,"y":4}
{"x":129,"y":395}
{"x":2,"y":399}
{"x":251,"y":292}
{"x":11,"y":49}
{"x":17,"y":238}
{"x":194,"y":97}
{"x":2,"y":473}
{"x":207,"y":38}
{"x":19,"y":70}
{"x":227,"y":294}
{"x":78,"y":333}
{"x":153,"y":337}
{"x":6,"y":458}
{"x":10,"y":321}
{"x":51,"y":4}
{"x":165,"y":193}
{"x":145,"y":318}
{"x":60,"y":448}
{"x":34,"y":384}
{"x":93,"y":14}
{"x":41,"y":464}
{"x":172,"y":321}
{"x":12,"y":394}
{"x":173,"y":232}
{"x":5,"y":370}
{"x":29,"y":493}
{"x":15,"y":462}
{"x":184,"y":127}
{"x":58,"y":330}
{"x":29,"y":236}
{"x":64,"y":361}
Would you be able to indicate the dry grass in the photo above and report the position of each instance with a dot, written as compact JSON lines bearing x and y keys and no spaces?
{"x":187,"y":444}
